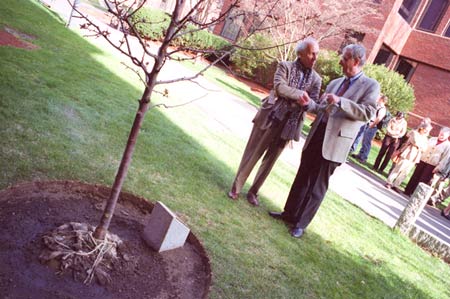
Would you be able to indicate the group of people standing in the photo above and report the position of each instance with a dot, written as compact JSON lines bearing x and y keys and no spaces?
{"x":348,"y":103}
{"x":406,"y":150}
{"x":351,"y":108}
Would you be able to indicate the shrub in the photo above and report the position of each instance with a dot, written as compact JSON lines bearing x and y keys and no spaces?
{"x":151,"y":24}
{"x":393,"y":85}
{"x":200,"y":39}
{"x":251,"y":62}
{"x":327,"y":65}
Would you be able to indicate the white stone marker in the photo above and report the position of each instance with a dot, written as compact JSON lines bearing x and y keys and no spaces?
{"x":414,"y":207}
{"x":163,"y":230}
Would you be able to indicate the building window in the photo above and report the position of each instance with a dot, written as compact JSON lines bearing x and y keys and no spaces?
{"x":232,"y":26}
{"x":405,"y":68}
{"x":447,"y":32}
{"x":433,"y":14}
{"x":408,"y":9}
{"x":384,"y":56}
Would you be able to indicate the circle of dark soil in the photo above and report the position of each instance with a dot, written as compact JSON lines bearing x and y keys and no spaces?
{"x":29,"y":210}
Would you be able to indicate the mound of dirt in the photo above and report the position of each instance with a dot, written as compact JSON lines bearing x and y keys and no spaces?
{"x":30,"y":210}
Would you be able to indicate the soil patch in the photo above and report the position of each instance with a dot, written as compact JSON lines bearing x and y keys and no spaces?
{"x":30,"y":210}
{"x":14,"y":38}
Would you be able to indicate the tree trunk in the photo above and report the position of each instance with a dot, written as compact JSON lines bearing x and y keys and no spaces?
{"x":102,"y":228}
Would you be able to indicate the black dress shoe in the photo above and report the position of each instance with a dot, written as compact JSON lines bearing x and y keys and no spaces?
{"x":445,"y":216}
{"x":297,"y":232}
{"x":276,"y":215}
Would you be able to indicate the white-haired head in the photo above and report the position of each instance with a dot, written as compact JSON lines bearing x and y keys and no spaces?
{"x":303,"y":44}
{"x":357,"y":51}
{"x":307,"y":52}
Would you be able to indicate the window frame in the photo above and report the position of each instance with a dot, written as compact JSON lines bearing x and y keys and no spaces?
{"x":391,"y":55}
{"x":410,"y":13}
{"x":411,"y":71}
{"x":435,"y":26}
{"x":236,"y":21}
{"x":446,"y":32}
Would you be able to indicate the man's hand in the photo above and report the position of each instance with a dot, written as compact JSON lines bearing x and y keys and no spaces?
{"x":304,"y":99}
{"x":332,"y":98}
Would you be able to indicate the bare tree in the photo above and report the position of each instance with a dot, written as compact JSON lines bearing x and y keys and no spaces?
{"x":184,"y":13}
{"x":287,"y":21}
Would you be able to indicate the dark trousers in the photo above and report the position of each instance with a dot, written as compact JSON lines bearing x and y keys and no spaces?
{"x":310,"y":184}
{"x":422,"y":174}
{"x":389,"y":145}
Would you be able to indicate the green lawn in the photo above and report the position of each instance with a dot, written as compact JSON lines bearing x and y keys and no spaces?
{"x":66,"y":109}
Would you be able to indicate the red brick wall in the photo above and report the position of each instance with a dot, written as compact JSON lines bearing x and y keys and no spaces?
{"x":428,"y":48}
{"x":432,"y":90}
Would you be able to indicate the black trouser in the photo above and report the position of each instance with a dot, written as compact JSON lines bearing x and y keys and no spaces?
{"x":311,"y":182}
{"x":388,"y":147}
{"x":422,"y":174}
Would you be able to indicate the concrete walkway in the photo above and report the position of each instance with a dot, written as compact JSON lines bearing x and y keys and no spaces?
{"x":350,"y":181}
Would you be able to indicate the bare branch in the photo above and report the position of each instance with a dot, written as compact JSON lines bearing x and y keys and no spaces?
{"x":179,"y":105}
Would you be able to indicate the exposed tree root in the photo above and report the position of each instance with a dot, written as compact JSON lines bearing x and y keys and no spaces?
{"x":71,"y":247}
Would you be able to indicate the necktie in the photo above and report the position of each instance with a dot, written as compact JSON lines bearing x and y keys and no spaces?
{"x":343,"y":87}
{"x":331,"y":109}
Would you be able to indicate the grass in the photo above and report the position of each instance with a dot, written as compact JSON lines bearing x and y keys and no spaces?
{"x":65,"y":112}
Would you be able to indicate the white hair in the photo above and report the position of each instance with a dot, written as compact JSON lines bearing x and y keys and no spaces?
{"x":301,"y":46}
{"x":445,"y":130}
{"x":357,"y":51}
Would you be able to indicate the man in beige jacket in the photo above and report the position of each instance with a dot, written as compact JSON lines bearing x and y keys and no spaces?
{"x":280,"y":117}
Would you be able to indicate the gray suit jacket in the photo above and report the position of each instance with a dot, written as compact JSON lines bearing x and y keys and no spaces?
{"x":282,"y":89}
{"x":357,"y":105}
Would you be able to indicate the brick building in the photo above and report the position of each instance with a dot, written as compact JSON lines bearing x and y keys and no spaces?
{"x":414,"y":40}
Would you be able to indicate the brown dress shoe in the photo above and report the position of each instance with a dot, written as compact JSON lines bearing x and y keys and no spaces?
{"x":252,"y":199}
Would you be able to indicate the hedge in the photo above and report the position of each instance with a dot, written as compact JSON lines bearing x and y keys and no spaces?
{"x":152,"y":24}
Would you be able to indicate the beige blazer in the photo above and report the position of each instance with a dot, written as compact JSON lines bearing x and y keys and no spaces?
{"x":357,"y":106}
{"x":282,"y":89}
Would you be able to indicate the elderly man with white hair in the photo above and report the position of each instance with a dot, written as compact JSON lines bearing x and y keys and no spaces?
{"x":280,"y":117}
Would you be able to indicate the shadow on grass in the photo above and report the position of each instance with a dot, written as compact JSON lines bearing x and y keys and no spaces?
{"x":69,"y":126}
{"x":342,"y":274}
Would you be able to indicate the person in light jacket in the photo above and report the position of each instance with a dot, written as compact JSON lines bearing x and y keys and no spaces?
{"x":408,"y":155}
{"x":395,"y":130}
